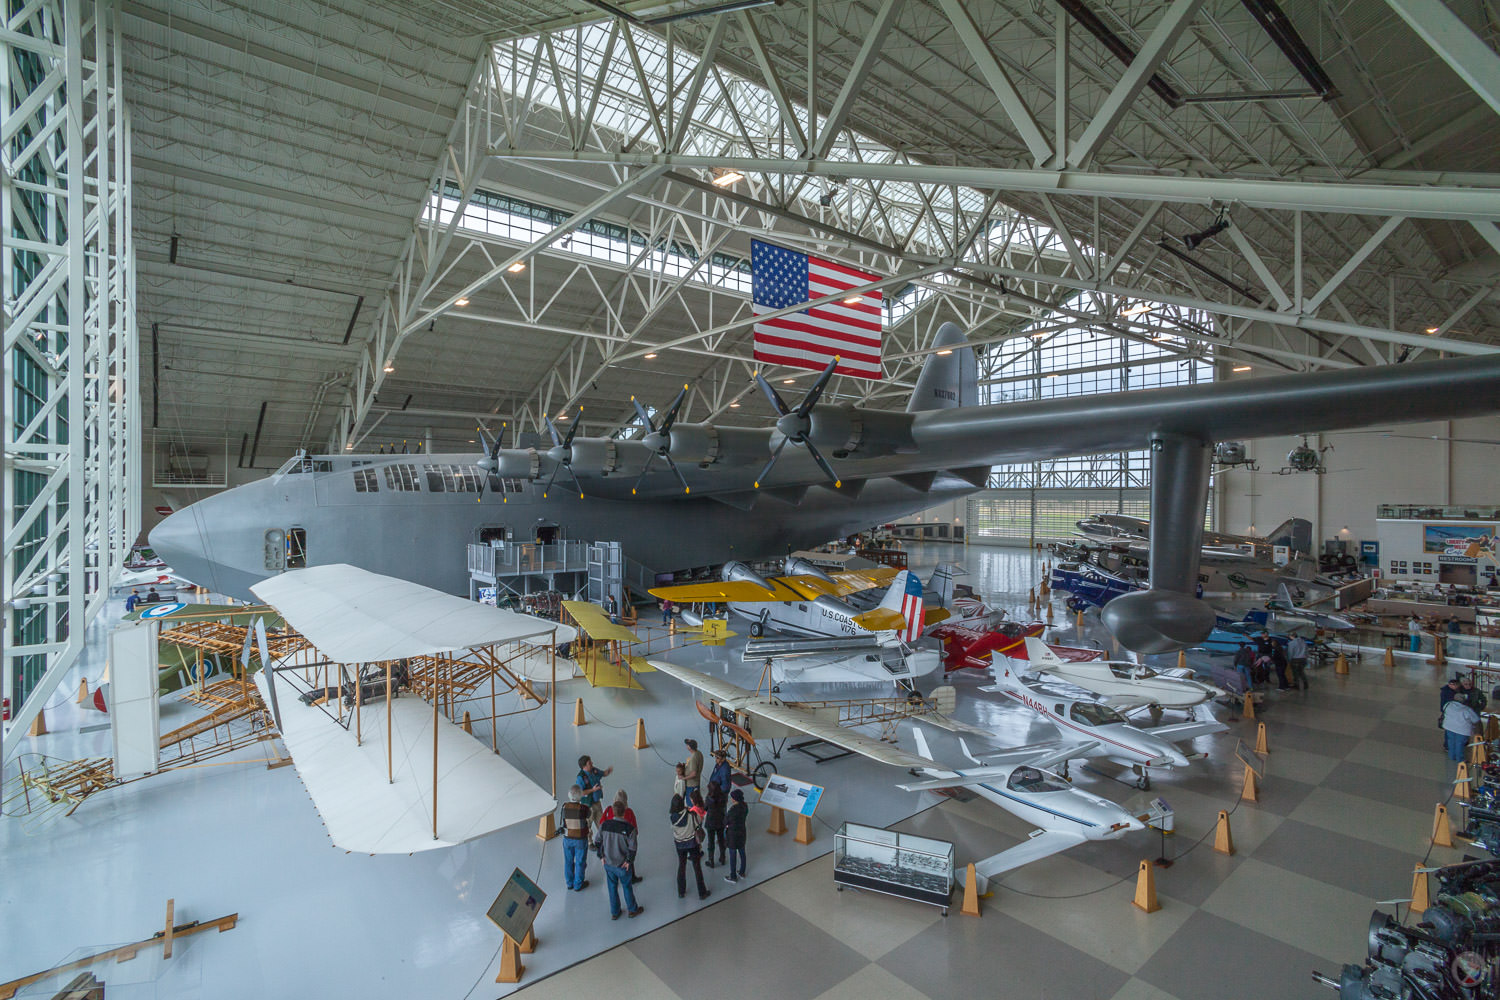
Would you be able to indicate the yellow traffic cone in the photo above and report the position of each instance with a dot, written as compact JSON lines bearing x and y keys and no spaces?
{"x":578,"y":719}
{"x":1442,"y":831}
{"x":640,"y":734}
{"x":1223,"y":839}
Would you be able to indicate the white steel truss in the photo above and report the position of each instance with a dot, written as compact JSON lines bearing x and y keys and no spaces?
{"x":72,"y":442}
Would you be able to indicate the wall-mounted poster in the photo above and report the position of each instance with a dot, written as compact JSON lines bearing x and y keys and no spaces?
{"x":1474,"y":541}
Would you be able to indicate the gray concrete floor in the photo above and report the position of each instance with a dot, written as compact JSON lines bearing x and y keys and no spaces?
{"x":1346,"y":808}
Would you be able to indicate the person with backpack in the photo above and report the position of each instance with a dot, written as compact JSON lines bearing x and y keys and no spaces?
{"x":714,"y":804}
{"x":687,"y":831}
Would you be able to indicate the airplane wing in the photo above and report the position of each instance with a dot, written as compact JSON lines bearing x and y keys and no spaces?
{"x":723,"y":590}
{"x":802,"y":720}
{"x":596,"y":624}
{"x":854,"y":581}
{"x":1043,"y":755}
{"x":1043,"y":844}
{"x":1188,"y":731}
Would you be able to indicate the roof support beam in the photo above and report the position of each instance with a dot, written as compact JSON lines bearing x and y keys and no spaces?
{"x":1137,"y":75}
{"x":994,"y":74}
{"x":773,"y":82}
{"x":1259,"y":267}
{"x":855,"y":81}
{"x":1423,"y":202}
{"x":1459,"y":47}
{"x":1358,"y":258}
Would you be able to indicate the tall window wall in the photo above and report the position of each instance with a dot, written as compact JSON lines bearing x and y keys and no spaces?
{"x":1064,"y":356}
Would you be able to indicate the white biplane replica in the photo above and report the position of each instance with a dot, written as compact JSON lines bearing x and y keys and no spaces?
{"x":1017,"y":779}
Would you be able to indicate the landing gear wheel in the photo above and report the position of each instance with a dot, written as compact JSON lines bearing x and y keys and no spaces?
{"x":762,"y":775}
{"x":1143,"y":782}
{"x":757,"y":629}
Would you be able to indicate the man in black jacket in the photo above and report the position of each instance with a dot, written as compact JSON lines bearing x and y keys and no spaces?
{"x":616,"y":844}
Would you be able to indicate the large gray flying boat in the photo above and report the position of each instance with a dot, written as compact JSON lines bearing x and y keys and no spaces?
{"x":691,"y":495}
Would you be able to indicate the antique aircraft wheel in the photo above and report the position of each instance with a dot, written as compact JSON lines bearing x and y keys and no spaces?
{"x":757,"y":629}
{"x":762,"y":774}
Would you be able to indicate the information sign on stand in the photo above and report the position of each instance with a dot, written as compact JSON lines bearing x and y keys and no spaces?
{"x":792,"y":795}
{"x":516,"y":907}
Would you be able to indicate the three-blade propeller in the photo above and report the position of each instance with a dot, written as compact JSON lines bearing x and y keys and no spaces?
{"x":561,"y":454}
{"x":659,"y":439}
{"x":796,"y":425}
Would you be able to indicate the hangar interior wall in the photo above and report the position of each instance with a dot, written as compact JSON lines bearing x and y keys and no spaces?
{"x":1365,"y":469}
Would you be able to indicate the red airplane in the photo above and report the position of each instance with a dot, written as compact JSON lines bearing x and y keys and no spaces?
{"x":970,"y":645}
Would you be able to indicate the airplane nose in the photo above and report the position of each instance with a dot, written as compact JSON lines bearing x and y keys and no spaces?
{"x":181,"y":540}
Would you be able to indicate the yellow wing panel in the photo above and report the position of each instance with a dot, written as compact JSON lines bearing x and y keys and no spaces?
{"x":596,"y":624}
{"x":880,"y":619}
{"x":736,"y":590}
{"x":853,"y":581}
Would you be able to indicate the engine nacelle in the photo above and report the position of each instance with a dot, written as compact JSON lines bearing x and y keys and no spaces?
{"x":797,"y":566}
{"x":595,"y":456}
{"x":694,"y":444}
{"x":738,"y":571}
{"x":519,"y":463}
{"x":852,"y":430}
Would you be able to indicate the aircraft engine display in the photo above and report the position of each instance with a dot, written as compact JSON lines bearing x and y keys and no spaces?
{"x":1452,"y":953}
{"x":739,"y":571}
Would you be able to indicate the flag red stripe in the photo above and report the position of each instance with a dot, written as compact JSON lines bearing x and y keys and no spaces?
{"x":863,"y":276}
{"x":797,"y":335}
{"x":818,"y":364}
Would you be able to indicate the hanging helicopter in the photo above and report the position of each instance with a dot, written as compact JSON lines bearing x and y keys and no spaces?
{"x":1304,"y":458}
{"x":1232,"y":455}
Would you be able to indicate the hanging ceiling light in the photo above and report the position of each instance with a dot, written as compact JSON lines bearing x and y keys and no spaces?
{"x":517,"y":267}
{"x":725,"y":176}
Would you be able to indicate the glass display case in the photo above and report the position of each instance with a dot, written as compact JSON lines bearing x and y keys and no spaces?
{"x":898,"y":864}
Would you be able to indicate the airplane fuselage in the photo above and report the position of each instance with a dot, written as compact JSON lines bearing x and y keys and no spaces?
{"x":1118,"y":741}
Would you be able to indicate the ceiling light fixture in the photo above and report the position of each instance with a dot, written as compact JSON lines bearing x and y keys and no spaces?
{"x":517,"y":267}
{"x":945,"y":352}
{"x":854,"y":300}
{"x":734,"y":406}
{"x":725,"y":176}
{"x":1432,"y":329}
{"x":390,"y":366}
{"x":461,"y":302}
{"x":1242,"y":368}
{"x":787,"y":381}
{"x":1194,"y":240}
{"x":1138,"y":309}
{"x":651,"y":355}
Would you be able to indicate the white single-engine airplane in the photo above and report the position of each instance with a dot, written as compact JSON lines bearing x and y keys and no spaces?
{"x":1021,"y":784}
{"x":1096,"y":730}
{"x":1121,"y":684}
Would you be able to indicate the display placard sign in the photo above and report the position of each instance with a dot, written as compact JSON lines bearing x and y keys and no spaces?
{"x":516,"y":907}
{"x":792,"y":795}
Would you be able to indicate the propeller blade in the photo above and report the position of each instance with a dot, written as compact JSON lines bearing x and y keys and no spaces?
{"x":817,"y":456}
{"x":645,"y":418}
{"x":813,"y":394}
{"x":574,"y":476}
{"x":556,"y":437}
{"x":680,"y":477}
{"x":548,"y":488}
{"x":776,"y":401}
{"x":774,"y":456}
{"x":644,"y":469}
{"x":671,"y":417}
{"x":573,"y":429}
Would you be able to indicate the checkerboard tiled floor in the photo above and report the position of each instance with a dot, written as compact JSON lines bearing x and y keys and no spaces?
{"x":1346,"y":809}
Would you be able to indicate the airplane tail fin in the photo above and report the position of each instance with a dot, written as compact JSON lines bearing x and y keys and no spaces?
{"x":905,"y":598}
{"x":947,"y":380}
{"x":1295,"y":532}
{"x":1006,"y":678}
{"x":921,"y":738}
{"x":940,"y":584}
{"x":1040,"y":654}
{"x":964,"y":746}
{"x":1284,"y":595}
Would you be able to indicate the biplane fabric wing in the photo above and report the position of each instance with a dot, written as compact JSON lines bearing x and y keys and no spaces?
{"x":1041,"y":846}
{"x":596,"y":624}
{"x":724,"y":590}
{"x":801,"y":720}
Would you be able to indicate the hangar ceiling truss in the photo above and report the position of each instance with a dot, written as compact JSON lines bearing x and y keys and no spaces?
{"x":925,"y":140}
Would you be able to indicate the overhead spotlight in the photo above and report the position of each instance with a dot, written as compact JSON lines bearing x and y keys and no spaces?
{"x":1193,"y":240}
{"x":390,"y":366}
{"x":1241,"y":368}
{"x":1432,"y":329}
{"x":854,"y":300}
{"x":349,"y":446}
{"x":734,"y":406}
{"x":945,"y":352}
{"x":825,"y":199}
{"x":787,"y":381}
{"x":566,"y":241}
{"x":461,"y":302}
{"x":725,"y":176}
{"x":1138,"y":309}
{"x":517,"y":267}
{"x":648,"y":357}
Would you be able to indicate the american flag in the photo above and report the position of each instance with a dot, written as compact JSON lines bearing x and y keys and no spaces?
{"x":813,"y":337}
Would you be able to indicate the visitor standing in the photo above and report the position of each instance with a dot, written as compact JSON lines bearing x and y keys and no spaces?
{"x":687,"y":831}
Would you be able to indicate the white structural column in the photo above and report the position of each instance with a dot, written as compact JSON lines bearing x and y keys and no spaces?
{"x":71,"y":478}
{"x":1459,"y":47}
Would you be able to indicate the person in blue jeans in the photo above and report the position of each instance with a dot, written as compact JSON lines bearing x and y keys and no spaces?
{"x":734,"y":834}
{"x":1459,"y":721}
{"x":616,"y":844}
{"x":575,"y":830}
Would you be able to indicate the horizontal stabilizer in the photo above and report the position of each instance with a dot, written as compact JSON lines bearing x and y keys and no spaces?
{"x":880,"y":620}
{"x":955,"y":779}
{"x":1041,"y":846}
{"x":1188,"y":731}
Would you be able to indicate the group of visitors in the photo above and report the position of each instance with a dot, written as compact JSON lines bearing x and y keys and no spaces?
{"x":135,"y":598}
{"x":707,"y":821}
{"x":1256,"y":659}
{"x":1460,"y":704}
